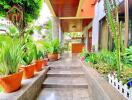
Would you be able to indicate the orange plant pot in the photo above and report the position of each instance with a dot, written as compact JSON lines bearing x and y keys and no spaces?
{"x":53,"y":57}
{"x":11,"y":82}
{"x":38,"y":65}
{"x":28,"y":71}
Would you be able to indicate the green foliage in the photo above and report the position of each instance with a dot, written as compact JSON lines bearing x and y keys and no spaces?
{"x":53,"y":46}
{"x":38,"y":53}
{"x":107,"y":57}
{"x":84,"y":52}
{"x":111,"y":10}
{"x":104,"y":61}
{"x":11,"y":53}
{"x":92,"y":58}
{"x":49,"y":28}
{"x":127,"y":57}
{"x":31,"y":8}
{"x":126,"y":74}
{"x":28,"y":53}
{"x":32,"y":49}
{"x":13,"y":31}
{"x":103,"y":68}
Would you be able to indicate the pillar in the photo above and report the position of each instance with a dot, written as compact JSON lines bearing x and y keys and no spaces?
{"x":55,"y":27}
{"x":61,"y":37}
{"x":126,"y":22}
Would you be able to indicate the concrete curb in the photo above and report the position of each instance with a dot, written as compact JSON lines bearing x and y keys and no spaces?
{"x":30,"y":88}
{"x":99,"y":88}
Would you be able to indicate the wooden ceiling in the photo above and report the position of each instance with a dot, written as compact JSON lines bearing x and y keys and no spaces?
{"x":74,"y":25}
{"x":74,"y":14}
{"x":65,"y":8}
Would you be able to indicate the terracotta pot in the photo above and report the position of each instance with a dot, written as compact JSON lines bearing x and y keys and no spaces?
{"x":11,"y":82}
{"x":38,"y":65}
{"x":59,"y":56}
{"x":53,"y":57}
{"x":28,"y":71}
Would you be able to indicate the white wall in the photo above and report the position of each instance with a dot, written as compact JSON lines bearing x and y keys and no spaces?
{"x":95,"y":26}
{"x":99,"y":14}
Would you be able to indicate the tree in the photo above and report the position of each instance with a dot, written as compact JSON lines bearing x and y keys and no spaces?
{"x":31,"y":9}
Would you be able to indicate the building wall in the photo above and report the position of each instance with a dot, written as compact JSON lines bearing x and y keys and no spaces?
{"x":99,"y":14}
{"x":104,"y":35}
{"x":85,"y":32}
{"x":87,"y":8}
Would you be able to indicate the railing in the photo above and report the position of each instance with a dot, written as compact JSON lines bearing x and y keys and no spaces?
{"x":123,"y":89}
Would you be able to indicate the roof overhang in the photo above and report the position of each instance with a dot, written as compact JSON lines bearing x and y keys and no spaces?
{"x":71,"y":12}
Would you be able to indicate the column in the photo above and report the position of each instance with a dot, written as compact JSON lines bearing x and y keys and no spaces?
{"x":55,"y":27}
{"x":126,"y":23}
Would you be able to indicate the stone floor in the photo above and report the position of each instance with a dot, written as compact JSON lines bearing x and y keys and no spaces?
{"x":65,"y":81}
{"x":68,"y":79}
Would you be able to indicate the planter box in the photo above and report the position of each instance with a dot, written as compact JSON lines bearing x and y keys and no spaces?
{"x":99,"y":87}
{"x":30,"y":88}
{"x":123,"y":89}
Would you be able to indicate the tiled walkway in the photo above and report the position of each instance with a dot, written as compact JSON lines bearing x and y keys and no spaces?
{"x":65,"y":81}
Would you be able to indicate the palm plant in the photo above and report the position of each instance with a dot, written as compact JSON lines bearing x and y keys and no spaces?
{"x":52,"y":47}
{"x":111,"y":9}
{"x":28,"y":53}
{"x":11,"y":53}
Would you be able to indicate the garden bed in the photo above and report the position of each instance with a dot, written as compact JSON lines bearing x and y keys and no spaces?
{"x":99,"y":88}
{"x":29,"y":89}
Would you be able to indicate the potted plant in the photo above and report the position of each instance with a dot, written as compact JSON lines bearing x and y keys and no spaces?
{"x":53,"y":49}
{"x":38,"y":58}
{"x":28,"y":66}
{"x":10,"y":57}
{"x":40,"y":44}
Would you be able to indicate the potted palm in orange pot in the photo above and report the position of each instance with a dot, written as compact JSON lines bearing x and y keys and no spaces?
{"x":10,"y":58}
{"x":38,"y":58}
{"x":53,"y":49}
{"x":28,"y":66}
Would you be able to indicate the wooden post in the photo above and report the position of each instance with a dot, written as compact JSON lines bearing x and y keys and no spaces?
{"x":126,"y":22}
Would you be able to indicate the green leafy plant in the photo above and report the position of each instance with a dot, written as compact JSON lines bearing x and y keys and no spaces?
{"x":107,"y":57}
{"x":111,"y":10}
{"x":28,"y":53}
{"x":52,"y":47}
{"x":84,"y":52}
{"x":11,"y":53}
{"x":37,"y":53}
{"x":13,"y":31}
{"x":127,"y":57}
{"x":32,"y":8}
{"x":92,"y":58}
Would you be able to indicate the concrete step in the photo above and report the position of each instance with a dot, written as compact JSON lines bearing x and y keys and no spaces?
{"x":63,"y":94}
{"x":65,"y":73}
{"x":66,"y":67}
{"x":65,"y":82}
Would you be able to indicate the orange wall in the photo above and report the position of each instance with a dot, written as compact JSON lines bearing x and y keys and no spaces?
{"x":88,"y":8}
{"x":77,"y":47}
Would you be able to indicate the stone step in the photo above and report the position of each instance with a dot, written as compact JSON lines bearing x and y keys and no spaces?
{"x":66,"y":67}
{"x":65,"y":82}
{"x":64,"y":94}
{"x":65,"y":73}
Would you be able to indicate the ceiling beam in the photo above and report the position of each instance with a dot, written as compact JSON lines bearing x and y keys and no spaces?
{"x":79,"y":8}
{"x":75,"y":17}
{"x":50,"y":7}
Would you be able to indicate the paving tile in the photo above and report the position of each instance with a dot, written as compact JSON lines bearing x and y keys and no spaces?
{"x":65,"y":85}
